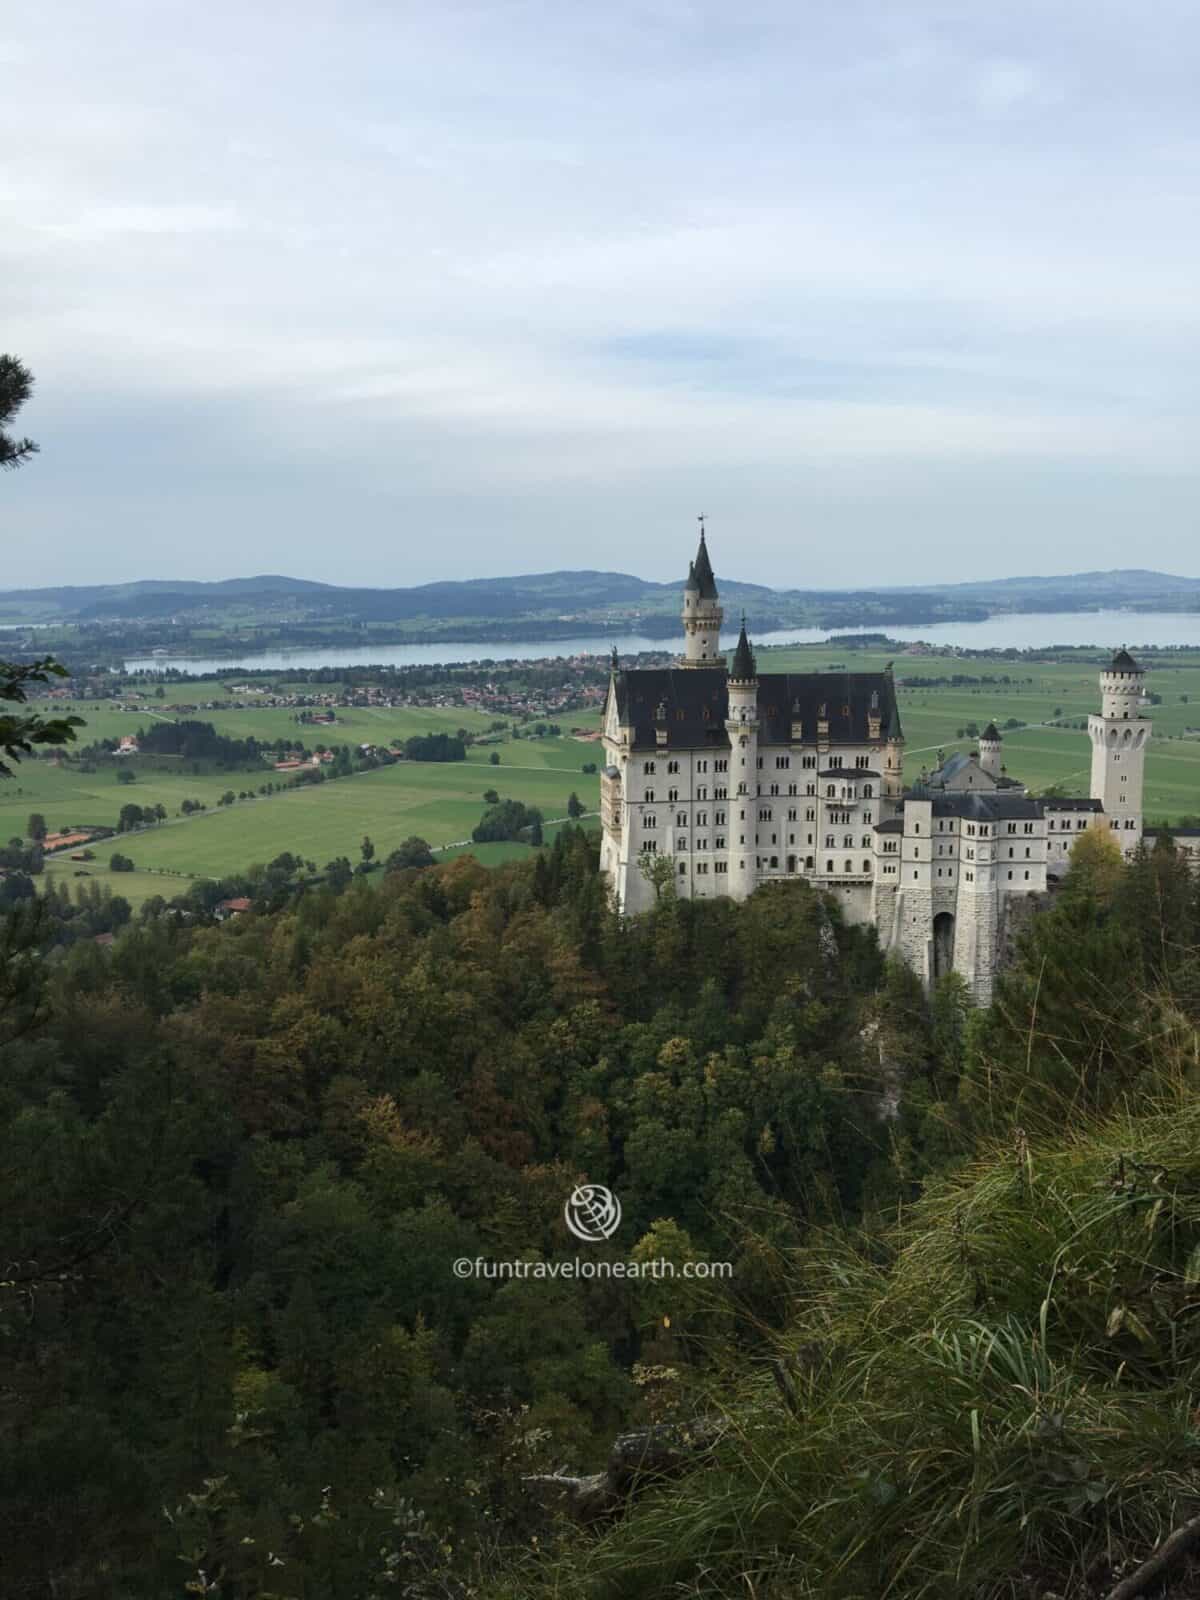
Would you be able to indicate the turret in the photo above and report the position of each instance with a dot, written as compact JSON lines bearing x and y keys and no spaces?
{"x":989,"y":751}
{"x":1119,"y":738}
{"x":741,"y":724}
{"x":702,"y":614}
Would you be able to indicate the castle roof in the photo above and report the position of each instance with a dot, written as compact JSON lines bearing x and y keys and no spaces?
{"x":991,"y":734}
{"x":692,"y":586}
{"x":975,"y":805}
{"x":703,"y":572}
{"x":743,"y":658}
{"x":697,"y":704}
{"x":1123,"y":662}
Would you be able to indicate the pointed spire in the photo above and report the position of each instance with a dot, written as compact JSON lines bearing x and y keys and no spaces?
{"x":991,"y":734}
{"x":692,"y":586}
{"x":743,"y":657}
{"x":702,"y":569}
{"x":616,"y":665}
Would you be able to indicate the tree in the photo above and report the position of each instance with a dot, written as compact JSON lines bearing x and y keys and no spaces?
{"x":16,"y":385}
{"x":413,"y":852}
{"x":36,"y":826}
{"x":491,"y":797}
{"x":19,"y":734}
{"x":367,"y":849}
{"x":494,"y":758}
{"x":535,"y":832}
{"x":125,"y":775}
{"x":574,"y":806}
{"x":119,"y":863}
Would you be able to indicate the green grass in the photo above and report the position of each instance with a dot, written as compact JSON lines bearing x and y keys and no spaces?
{"x":440,"y":801}
{"x":136,"y":887}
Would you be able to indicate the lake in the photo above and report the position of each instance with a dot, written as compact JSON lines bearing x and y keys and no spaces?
{"x":1019,"y":630}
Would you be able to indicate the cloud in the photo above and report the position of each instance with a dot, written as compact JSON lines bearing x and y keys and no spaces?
{"x":327,"y":261}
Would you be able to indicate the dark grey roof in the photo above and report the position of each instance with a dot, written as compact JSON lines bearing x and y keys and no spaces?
{"x":846,"y":772}
{"x":949,"y":768}
{"x":991,"y":733}
{"x":1123,"y":662}
{"x":697,"y":704}
{"x":974,"y":805}
{"x":742,"y":666}
{"x":702,"y":568}
{"x":893,"y":825}
{"x":1051,"y":804}
{"x":692,"y":586}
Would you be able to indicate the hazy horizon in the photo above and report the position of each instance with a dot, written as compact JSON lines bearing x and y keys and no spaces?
{"x":897,"y":296}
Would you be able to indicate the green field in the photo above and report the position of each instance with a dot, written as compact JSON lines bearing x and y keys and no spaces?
{"x":443,"y":801}
{"x":136,"y":887}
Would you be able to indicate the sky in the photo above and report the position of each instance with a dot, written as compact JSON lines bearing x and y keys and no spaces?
{"x":381,"y":292}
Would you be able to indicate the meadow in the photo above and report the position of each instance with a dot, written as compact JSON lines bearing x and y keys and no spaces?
{"x":442,"y":802}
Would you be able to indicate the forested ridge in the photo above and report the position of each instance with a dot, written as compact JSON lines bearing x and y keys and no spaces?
{"x":238,"y":1163}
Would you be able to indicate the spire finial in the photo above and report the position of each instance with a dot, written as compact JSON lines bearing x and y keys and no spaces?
{"x":700,"y":520}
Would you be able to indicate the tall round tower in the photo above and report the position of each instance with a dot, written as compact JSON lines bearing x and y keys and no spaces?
{"x":989,"y":750}
{"x":702,"y":614}
{"x":1119,"y":738}
{"x":741,"y":724}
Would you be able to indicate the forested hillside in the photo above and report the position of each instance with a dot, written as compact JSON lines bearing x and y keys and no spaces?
{"x":239,"y":1164}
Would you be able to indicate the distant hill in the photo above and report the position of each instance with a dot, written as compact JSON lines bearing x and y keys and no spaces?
{"x":594,"y":600}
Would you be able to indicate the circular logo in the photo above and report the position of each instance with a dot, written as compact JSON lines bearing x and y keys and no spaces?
{"x":592,"y":1212}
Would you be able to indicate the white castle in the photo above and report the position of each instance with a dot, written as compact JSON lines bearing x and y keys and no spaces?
{"x":743,"y":778}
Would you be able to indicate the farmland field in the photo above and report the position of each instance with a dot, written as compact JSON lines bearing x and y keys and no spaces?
{"x":443,"y":801}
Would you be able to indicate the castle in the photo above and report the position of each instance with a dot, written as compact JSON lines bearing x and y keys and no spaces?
{"x":741,"y":778}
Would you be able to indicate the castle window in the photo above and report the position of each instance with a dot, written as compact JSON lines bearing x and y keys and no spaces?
{"x":808,"y":863}
{"x":830,"y":791}
{"x":681,"y":819}
{"x":682,"y":869}
{"x":868,"y":791}
{"x":808,"y":761}
{"x":649,"y":795}
{"x":721,"y":764}
{"x":650,"y":821}
{"x":792,"y":788}
{"x":835,"y":761}
{"x":759,"y":762}
{"x":650,"y":846}
{"x":916,"y":874}
{"x":672,"y":766}
{"x":1027,"y":877}
{"x":1010,"y":873}
{"x":829,"y":866}
{"x":719,"y":842}
{"x":679,"y":714}
{"x":701,"y":819}
{"x":647,"y":767}
{"x":672,"y":794}
{"x":775,"y":861}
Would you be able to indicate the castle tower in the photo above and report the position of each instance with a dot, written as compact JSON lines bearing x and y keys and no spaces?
{"x":1119,"y":736}
{"x":742,"y":728}
{"x":989,"y":751}
{"x":702,"y":614}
